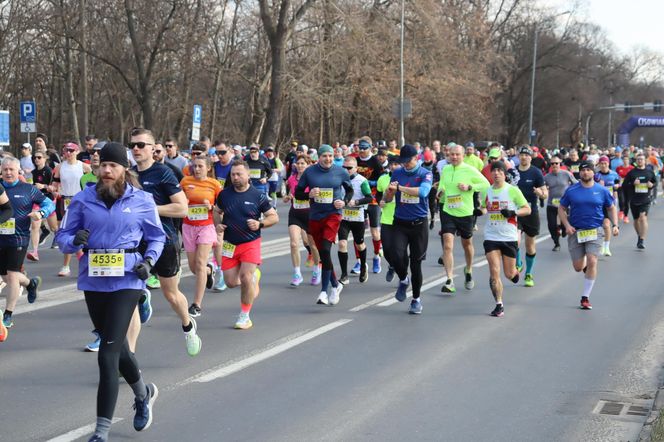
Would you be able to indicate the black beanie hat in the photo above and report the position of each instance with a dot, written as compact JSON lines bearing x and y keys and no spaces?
{"x":114,"y":152}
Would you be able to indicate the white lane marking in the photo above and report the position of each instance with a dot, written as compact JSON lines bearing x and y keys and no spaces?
{"x":79,"y":432}
{"x":228,"y":369}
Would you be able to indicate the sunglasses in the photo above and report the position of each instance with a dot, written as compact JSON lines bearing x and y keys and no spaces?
{"x":195,"y":152}
{"x":158,"y":151}
{"x":222,"y":152}
{"x":555,"y":164}
{"x":349,"y":167}
{"x":39,"y":158}
{"x":70,"y":150}
{"x":168,"y":146}
{"x":139,"y":144}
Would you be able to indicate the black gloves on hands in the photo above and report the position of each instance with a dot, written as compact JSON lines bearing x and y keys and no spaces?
{"x":477,"y":212}
{"x":507,"y":213}
{"x":142,"y":269}
{"x":81,"y":237}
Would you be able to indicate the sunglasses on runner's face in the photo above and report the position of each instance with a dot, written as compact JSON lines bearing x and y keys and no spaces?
{"x":139,"y":144}
{"x":70,"y":150}
{"x":555,"y":164}
{"x":168,"y":146}
{"x":349,"y":167}
{"x":158,"y":151}
{"x":222,"y":152}
{"x":39,"y":158}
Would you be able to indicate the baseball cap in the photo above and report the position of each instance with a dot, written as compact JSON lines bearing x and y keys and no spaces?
{"x":586,"y":165}
{"x":495,"y":153}
{"x":407,"y":152}
{"x":26,"y":146}
{"x":99,"y":145}
{"x":604,"y":159}
{"x":470,"y":144}
{"x":212,"y":151}
{"x":525,"y":150}
{"x":391,"y":159}
{"x":269,"y":149}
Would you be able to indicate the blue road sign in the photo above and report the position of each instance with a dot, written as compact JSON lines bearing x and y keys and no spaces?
{"x":28,"y":112}
{"x":198,"y":113}
{"x":4,"y":128}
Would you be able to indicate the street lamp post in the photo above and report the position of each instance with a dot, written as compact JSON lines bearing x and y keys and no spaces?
{"x":402,"y":136}
{"x":532,"y":89}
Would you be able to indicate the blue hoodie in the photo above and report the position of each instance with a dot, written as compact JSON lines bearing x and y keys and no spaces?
{"x":130,"y":219}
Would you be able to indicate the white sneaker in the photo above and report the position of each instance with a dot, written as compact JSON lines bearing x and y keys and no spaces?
{"x":322,"y":299}
{"x":192,"y":339}
{"x":243,"y":321}
{"x":64,"y":271}
{"x":335,"y":293}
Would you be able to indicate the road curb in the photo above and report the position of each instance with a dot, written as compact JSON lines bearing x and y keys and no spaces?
{"x":653,"y":418}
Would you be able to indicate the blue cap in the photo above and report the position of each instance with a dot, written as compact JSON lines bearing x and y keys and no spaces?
{"x":212,"y":151}
{"x":407,"y":152}
{"x":470,"y":144}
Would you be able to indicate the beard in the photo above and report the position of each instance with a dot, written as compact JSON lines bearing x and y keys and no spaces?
{"x":111,"y":191}
{"x":587,"y":180}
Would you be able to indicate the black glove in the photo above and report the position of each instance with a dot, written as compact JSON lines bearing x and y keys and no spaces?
{"x":507,"y":213}
{"x":477,"y":212}
{"x":142,"y":269}
{"x":81,"y":237}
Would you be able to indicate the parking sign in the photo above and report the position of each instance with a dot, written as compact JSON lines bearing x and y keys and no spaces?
{"x":28,"y":116}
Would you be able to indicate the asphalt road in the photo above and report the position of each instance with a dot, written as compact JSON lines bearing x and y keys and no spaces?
{"x":364,"y":370}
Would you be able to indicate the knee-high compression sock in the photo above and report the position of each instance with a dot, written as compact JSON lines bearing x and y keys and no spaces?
{"x":139,"y":389}
{"x":587,"y":287}
{"x":308,"y":248}
{"x":343,"y":262}
{"x":530,"y":263}
{"x":363,"y":257}
{"x":325,"y":279}
{"x":357,"y":251}
{"x":519,"y":263}
{"x":376,"y":245}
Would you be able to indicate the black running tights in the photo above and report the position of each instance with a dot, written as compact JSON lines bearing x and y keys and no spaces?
{"x":110,"y":313}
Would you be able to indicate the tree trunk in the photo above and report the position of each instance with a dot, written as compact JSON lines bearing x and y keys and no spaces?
{"x":84,"y":69}
{"x":71,"y":97}
{"x":273,"y":111}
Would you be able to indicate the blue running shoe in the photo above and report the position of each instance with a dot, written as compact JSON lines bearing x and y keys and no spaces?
{"x":145,"y":307}
{"x":415,"y":307}
{"x":94,"y":345}
{"x":389,"y":276}
{"x":33,"y":288}
{"x":97,"y":438}
{"x":7,"y":320}
{"x":402,"y":289}
{"x":143,"y":416}
{"x":356,"y":268}
{"x":376,"y":264}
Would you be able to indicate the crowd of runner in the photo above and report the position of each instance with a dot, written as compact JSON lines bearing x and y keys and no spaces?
{"x":126,"y":212}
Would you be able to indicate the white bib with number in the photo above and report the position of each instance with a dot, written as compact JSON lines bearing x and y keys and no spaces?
{"x":255,"y":174}
{"x":409,"y":199}
{"x":641,"y":188}
{"x":325,"y":196}
{"x":300,"y":204}
{"x":8,"y":227}
{"x":353,"y":214}
{"x":586,"y":235}
{"x":228,"y":250}
{"x":454,"y":202}
{"x":197,"y":213}
{"x":106,"y":263}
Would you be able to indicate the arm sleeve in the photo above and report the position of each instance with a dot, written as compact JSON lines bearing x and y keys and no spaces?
{"x":366,"y":192}
{"x":348,"y":188}
{"x":153,"y":232}
{"x":45,"y":204}
{"x":425,"y":185}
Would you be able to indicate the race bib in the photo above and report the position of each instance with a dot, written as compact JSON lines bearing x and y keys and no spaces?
{"x":574,"y":168}
{"x":641,"y":188}
{"x":8,"y":227}
{"x":497,"y":217}
{"x":255,"y":174}
{"x":555,"y":202}
{"x":353,"y":214}
{"x":409,"y":199}
{"x":454,"y":202}
{"x":67,"y":202}
{"x":326,"y":196}
{"x":228,"y":250}
{"x":197,"y":213}
{"x":586,"y":235}
{"x":222,"y":181}
{"x":300,"y":204}
{"x":104,"y":263}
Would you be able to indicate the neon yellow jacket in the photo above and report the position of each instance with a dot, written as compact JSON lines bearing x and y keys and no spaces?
{"x":456,"y":202}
